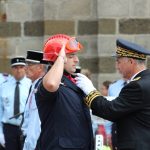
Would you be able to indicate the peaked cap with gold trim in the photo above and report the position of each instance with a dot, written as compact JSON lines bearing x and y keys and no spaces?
{"x":129,"y":49}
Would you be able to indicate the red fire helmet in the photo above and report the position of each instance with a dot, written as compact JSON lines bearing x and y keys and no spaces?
{"x":54,"y":44}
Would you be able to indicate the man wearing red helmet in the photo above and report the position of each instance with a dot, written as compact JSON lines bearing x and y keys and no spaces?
{"x":65,"y":119}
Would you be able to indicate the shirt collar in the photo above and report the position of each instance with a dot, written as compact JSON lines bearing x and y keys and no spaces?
{"x":69,"y":76}
{"x":34,"y":82}
{"x":20,"y":81}
{"x":135,"y":75}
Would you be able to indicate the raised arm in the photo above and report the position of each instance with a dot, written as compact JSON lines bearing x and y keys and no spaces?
{"x":52,"y":79}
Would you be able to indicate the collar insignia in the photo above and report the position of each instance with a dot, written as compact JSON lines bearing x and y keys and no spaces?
{"x":135,"y":79}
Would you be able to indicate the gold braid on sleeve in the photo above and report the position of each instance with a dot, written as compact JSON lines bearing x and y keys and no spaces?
{"x":90,"y":97}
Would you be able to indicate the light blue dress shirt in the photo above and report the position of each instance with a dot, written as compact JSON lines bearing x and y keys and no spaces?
{"x":113,"y":91}
{"x":115,"y":88}
{"x":7,"y":90}
{"x":4,"y":78}
{"x":31,"y":126}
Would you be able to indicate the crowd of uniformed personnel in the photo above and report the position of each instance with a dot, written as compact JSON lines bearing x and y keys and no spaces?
{"x":45,"y":105}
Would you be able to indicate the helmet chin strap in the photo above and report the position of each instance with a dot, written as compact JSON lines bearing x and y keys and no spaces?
{"x":66,"y":73}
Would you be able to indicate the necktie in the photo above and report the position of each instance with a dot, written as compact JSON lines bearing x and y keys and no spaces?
{"x":16,"y":99}
{"x":29,"y":93}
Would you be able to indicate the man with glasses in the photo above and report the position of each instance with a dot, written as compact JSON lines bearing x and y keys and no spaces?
{"x":65,"y":119}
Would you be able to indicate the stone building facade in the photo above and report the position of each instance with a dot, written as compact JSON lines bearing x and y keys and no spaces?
{"x":25,"y":24}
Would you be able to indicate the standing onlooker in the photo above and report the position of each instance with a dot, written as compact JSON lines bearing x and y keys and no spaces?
{"x":65,"y":119}
{"x":131,"y":109}
{"x":115,"y":88}
{"x":3,"y":78}
{"x":104,"y":88}
{"x":31,"y":127}
{"x":13,"y":96}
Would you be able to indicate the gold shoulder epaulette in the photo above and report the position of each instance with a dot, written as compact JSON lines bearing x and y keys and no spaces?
{"x":90,"y":97}
{"x":135,"y":79}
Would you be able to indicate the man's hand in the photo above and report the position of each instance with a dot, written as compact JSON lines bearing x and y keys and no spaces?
{"x":84,"y":83}
{"x":2,"y":140}
{"x":62,"y":53}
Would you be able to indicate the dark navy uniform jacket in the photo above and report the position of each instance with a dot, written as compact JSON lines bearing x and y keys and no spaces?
{"x":65,"y":120}
{"x":131,"y":112}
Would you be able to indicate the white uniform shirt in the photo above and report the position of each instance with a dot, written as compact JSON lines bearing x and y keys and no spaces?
{"x":32,"y":125}
{"x":4,"y":77}
{"x":7,"y":90}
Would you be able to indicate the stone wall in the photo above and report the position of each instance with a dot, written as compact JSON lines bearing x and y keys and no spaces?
{"x":128,"y":19}
{"x":21,"y":28}
{"x":25,"y":24}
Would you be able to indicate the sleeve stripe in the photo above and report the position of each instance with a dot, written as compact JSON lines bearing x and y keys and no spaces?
{"x":89,"y":98}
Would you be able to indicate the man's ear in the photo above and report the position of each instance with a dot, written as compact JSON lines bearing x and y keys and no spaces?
{"x":132,"y":61}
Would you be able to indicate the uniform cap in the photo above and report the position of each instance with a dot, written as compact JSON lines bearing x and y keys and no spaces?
{"x":19,"y":60}
{"x":34,"y":56}
{"x":129,"y":49}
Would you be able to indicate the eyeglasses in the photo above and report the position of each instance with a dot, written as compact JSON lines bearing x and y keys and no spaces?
{"x":73,"y":45}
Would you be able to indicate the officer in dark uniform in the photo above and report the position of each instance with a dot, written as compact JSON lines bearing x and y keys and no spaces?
{"x":114,"y":90}
{"x":131,"y":109}
{"x":65,"y":119}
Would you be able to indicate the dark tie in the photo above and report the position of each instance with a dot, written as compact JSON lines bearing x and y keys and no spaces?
{"x":16,"y":99}
{"x":30,"y":89}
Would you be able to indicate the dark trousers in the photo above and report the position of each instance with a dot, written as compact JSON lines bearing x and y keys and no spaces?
{"x":2,"y":148}
{"x":127,"y":149}
{"x":114,"y":137}
{"x":12,"y":137}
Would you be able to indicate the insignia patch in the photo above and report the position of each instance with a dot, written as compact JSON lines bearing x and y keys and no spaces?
{"x":61,"y":83}
{"x":135,"y":79}
{"x":35,"y":90}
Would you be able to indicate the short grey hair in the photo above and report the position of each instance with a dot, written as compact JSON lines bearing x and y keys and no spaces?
{"x":140,"y":61}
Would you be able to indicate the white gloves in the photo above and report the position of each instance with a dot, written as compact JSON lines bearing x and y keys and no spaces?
{"x":2,"y":140}
{"x":84,"y":83}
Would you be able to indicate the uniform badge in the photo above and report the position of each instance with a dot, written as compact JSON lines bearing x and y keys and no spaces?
{"x":135,"y":79}
{"x":6,"y":100}
{"x":35,"y":90}
{"x":61,"y":83}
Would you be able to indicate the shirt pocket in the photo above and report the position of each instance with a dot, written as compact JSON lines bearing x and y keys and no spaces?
{"x":6,"y":101}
